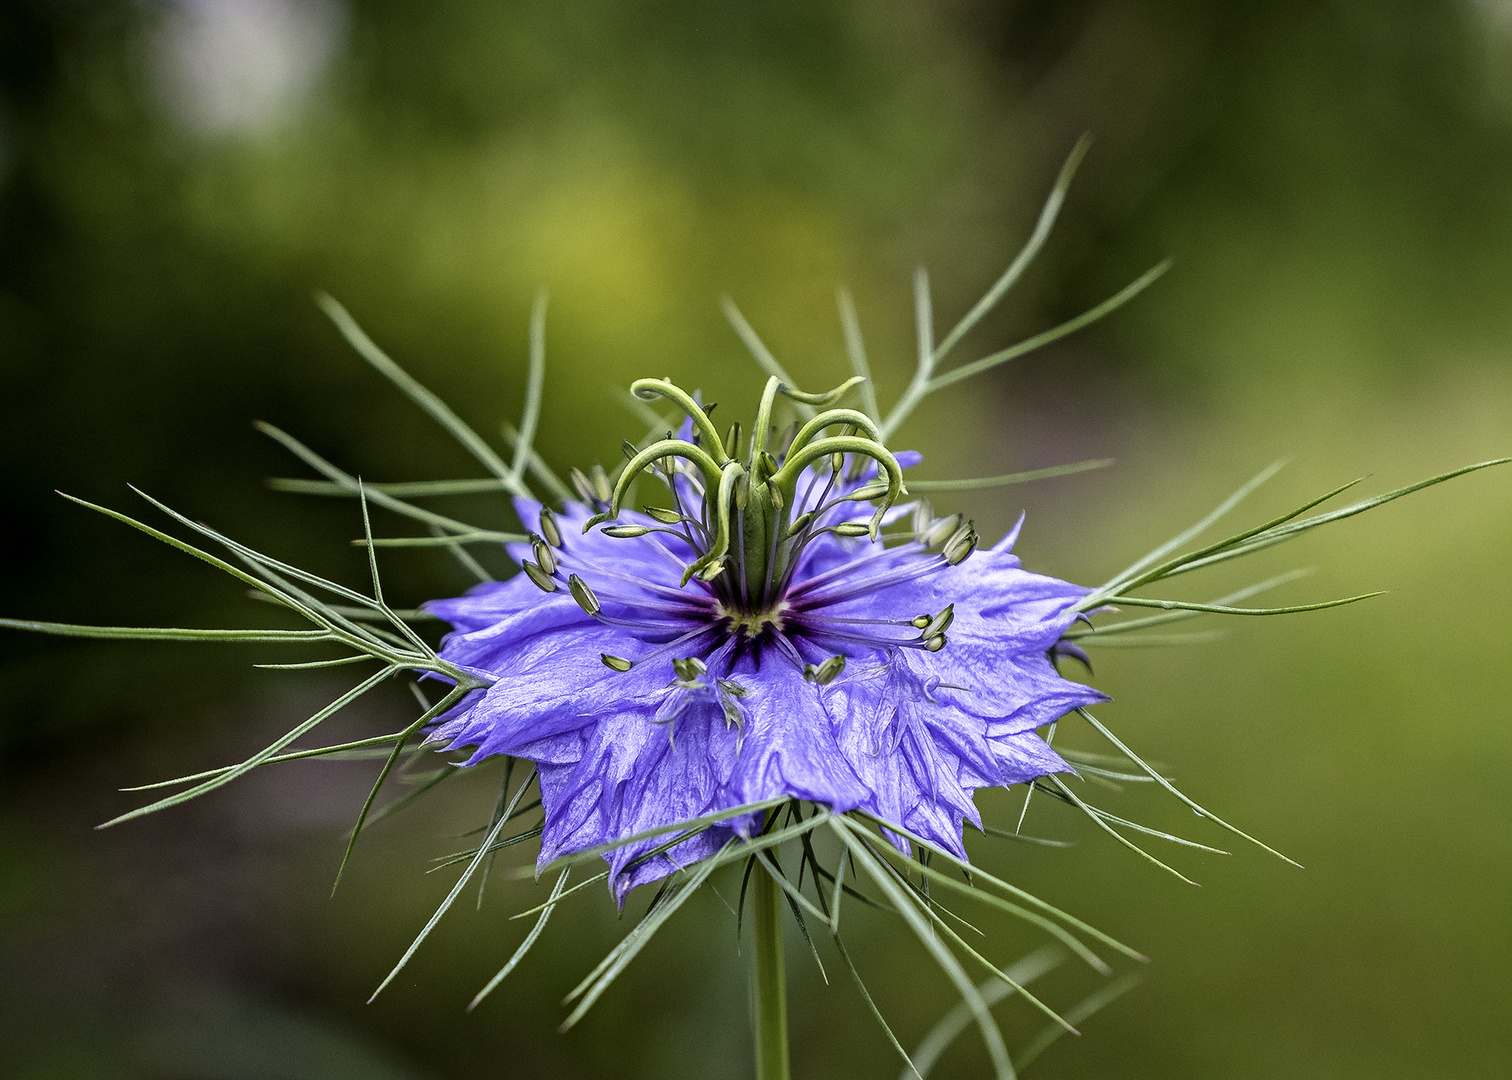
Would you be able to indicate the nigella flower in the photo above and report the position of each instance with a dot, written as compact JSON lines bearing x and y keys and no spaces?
{"x":759,"y":639}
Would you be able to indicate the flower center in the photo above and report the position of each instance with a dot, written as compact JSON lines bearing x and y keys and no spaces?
{"x":748,"y":521}
{"x":750,"y":532}
{"x":751,"y":625}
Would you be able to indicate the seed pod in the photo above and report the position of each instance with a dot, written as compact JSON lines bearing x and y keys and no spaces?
{"x":583,"y":595}
{"x":618,"y":663}
{"x":690,"y":668}
{"x":542,"y":580}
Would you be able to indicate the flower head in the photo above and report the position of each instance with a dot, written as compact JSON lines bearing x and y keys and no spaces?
{"x":760,"y":639}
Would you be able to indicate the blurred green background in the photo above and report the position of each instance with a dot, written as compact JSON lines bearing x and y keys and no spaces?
{"x":1334,"y":182}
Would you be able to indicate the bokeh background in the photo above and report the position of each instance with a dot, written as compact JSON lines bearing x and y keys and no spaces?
{"x":1334,"y":183}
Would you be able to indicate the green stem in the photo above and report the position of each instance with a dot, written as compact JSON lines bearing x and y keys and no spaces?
{"x":768,"y":982}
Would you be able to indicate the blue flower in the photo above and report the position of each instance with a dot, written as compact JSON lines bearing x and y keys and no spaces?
{"x":762,"y":638}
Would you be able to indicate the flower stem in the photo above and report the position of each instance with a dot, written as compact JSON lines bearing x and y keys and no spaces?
{"x":768,"y":980}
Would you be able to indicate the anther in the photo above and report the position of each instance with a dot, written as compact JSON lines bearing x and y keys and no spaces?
{"x":919,"y":622}
{"x":961,"y":544}
{"x":666,"y":517}
{"x":941,"y":528}
{"x":542,"y":580}
{"x":625,"y":532}
{"x":712,"y":571}
{"x":825,"y":673}
{"x":800,"y":523}
{"x":549,"y":528}
{"x":733,"y":688}
{"x":767,"y":464}
{"x":785,"y":440}
{"x":732,"y":440}
{"x":544,"y":555}
{"x":936,"y":643}
{"x":874,"y":490}
{"x":583,"y":595}
{"x":618,"y":663}
{"x":629,"y":448}
{"x":940,"y":623}
{"x":603,"y":491}
{"x":690,"y":668}
{"x":582,"y":485}
{"x":852,"y":528}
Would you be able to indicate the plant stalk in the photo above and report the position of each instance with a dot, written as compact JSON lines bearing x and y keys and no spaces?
{"x":768,"y":979}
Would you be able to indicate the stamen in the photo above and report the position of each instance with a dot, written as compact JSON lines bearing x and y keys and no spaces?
{"x":825,"y":673}
{"x":542,"y":580}
{"x":545,"y":557}
{"x":583,"y":595}
{"x":618,"y":663}
{"x":549,"y":528}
